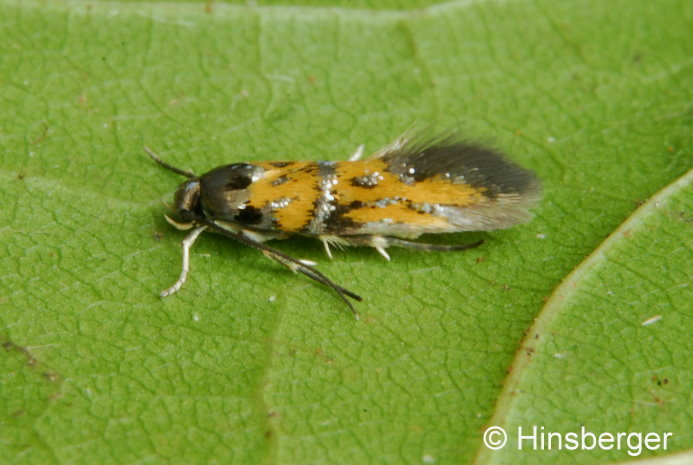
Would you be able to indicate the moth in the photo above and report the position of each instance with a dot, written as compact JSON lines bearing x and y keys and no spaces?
{"x":416,"y":185}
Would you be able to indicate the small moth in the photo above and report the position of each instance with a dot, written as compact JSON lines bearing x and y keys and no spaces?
{"x":415,"y":185}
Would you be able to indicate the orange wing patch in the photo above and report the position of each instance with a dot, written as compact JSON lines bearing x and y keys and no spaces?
{"x":397,"y":213}
{"x":297,"y":181}
{"x":353,"y":186}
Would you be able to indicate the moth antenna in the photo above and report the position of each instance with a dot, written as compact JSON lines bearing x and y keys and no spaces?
{"x":156,"y":158}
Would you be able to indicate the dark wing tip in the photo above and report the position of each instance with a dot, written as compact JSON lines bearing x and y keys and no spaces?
{"x":426,"y":156}
{"x":509,"y":189}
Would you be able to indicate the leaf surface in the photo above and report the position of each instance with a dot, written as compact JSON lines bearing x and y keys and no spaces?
{"x":250,"y":364}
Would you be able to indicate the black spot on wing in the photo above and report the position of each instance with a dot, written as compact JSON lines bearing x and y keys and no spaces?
{"x":337,"y":223}
{"x":279,"y":181}
{"x":366,"y":182}
{"x":224,"y":188}
{"x":249,"y":216}
{"x":229,"y":177}
{"x":281,"y":164}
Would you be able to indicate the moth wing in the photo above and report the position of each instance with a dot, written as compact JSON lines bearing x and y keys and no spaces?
{"x":506,"y":191}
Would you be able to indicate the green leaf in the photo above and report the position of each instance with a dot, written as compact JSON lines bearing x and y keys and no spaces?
{"x":543,"y":325}
{"x":581,"y":355}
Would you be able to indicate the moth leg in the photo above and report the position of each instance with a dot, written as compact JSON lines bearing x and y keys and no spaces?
{"x":335,"y":241}
{"x":326,"y":244}
{"x":430,"y":247}
{"x":358,"y":153}
{"x":187,"y":244}
{"x":304,"y":267}
{"x":293,"y":264}
{"x":379,"y":243}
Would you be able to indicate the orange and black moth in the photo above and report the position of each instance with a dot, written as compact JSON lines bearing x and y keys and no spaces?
{"x":416,"y":185}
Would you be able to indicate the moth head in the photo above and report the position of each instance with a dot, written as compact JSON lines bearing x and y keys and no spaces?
{"x":186,"y":200}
